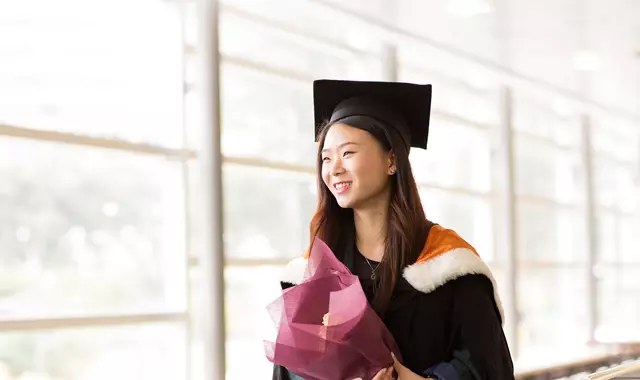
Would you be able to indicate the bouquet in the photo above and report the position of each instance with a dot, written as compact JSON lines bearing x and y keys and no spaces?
{"x":326,"y":328}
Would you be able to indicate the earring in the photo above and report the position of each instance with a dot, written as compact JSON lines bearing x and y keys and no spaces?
{"x":392,"y":171}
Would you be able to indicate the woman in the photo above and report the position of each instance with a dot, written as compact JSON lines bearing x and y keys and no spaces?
{"x":429,"y":286}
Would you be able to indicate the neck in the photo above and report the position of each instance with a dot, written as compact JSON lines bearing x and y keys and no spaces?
{"x":371,"y":230}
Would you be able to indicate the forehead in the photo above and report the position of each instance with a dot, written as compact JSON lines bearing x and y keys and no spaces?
{"x":342,"y":133}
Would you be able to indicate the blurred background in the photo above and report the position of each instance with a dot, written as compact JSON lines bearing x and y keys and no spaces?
{"x":122,"y":120}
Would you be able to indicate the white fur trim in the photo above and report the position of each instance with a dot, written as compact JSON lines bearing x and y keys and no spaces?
{"x":425,"y":276}
{"x":295,"y":270}
{"x":428,"y":275}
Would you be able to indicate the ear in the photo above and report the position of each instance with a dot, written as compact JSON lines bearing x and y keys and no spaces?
{"x":392,"y":164}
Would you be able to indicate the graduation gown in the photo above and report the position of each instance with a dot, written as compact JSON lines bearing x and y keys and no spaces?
{"x":445,"y":313}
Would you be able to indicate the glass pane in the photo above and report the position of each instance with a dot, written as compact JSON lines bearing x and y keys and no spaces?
{"x":147,"y":352}
{"x":85,"y":230}
{"x":544,"y":171}
{"x":249,"y":290}
{"x":621,"y":141}
{"x":480,"y":103}
{"x":500,"y":275}
{"x":457,"y":156}
{"x":266,"y":118}
{"x":618,"y":303}
{"x":629,"y":229}
{"x":451,"y":24}
{"x":469,"y":216}
{"x":242,"y":37}
{"x":553,"y":313}
{"x":608,"y":242}
{"x":552,"y":119}
{"x":309,"y":19}
{"x":548,"y":234}
{"x":73,"y":71}
{"x":617,"y":185}
{"x":370,"y":8}
{"x":267,"y":212}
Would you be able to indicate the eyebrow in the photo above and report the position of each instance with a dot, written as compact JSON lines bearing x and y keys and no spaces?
{"x":341,"y":145}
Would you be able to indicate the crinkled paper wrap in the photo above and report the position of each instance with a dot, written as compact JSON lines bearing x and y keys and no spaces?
{"x":353,"y":342}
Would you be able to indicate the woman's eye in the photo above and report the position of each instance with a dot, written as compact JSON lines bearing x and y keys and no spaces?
{"x":346,"y":153}
{"x":325,"y":159}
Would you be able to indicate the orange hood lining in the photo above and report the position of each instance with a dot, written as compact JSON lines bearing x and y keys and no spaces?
{"x":439,"y":242}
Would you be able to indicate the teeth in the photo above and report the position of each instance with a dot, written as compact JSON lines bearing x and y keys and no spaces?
{"x":342,"y":185}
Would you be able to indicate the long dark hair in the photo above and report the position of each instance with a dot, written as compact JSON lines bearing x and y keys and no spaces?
{"x":407,"y":227}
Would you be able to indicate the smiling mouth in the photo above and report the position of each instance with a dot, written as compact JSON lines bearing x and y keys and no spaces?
{"x":341,"y":187}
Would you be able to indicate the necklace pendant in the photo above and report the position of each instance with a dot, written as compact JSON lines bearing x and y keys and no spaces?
{"x":373,"y":276}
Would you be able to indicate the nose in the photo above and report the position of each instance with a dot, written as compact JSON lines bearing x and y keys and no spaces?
{"x":336,"y":167}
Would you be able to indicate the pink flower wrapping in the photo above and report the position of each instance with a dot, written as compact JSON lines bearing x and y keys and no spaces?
{"x":352,"y":342}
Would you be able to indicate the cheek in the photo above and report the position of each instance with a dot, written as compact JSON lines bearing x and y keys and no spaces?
{"x":369,"y":173}
{"x":325,"y":176}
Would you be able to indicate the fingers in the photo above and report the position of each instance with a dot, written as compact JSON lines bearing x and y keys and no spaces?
{"x":384,"y":374}
{"x":396,"y":364}
{"x":400,"y":369}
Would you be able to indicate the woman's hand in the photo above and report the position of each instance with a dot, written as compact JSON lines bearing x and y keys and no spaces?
{"x":404,"y":373}
{"x":384,"y":374}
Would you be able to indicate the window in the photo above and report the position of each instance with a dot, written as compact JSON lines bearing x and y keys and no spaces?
{"x":470,"y":216}
{"x":152,"y":351}
{"x":97,"y":235}
{"x":551,"y":234}
{"x":266,"y":118}
{"x":617,"y":191}
{"x":92,"y":223}
{"x":553,"y":310}
{"x":475,"y":102}
{"x":72,"y":71}
{"x":552,"y":275}
{"x":546,"y":171}
{"x":457,"y":156}
{"x":249,"y":291}
{"x":267,"y":212}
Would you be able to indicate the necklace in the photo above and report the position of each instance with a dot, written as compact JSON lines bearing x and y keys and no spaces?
{"x":373,"y":270}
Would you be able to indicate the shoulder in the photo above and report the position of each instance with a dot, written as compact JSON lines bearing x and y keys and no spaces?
{"x":447,"y":257}
{"x":295,"y":270}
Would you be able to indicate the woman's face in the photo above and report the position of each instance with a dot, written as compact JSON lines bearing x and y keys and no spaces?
{"x":355,"y":167}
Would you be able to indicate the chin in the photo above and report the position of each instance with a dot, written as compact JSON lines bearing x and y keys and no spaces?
{"x":344,"y":203}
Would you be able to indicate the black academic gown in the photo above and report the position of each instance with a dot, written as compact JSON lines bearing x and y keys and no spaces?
{"x":451,"y":332}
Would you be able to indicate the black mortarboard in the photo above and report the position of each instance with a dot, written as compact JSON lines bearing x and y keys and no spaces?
{"x":404,"y":106}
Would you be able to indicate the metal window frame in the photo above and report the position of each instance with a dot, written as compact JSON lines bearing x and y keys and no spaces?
{"x":213,"y":246}
{"x":68,"y":322}
{"x":508,"y":219}
{"x":96,"y":142}
{"x":591,"y":227}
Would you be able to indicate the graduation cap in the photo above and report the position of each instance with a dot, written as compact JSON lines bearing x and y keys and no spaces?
{"x":403,"y":106}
